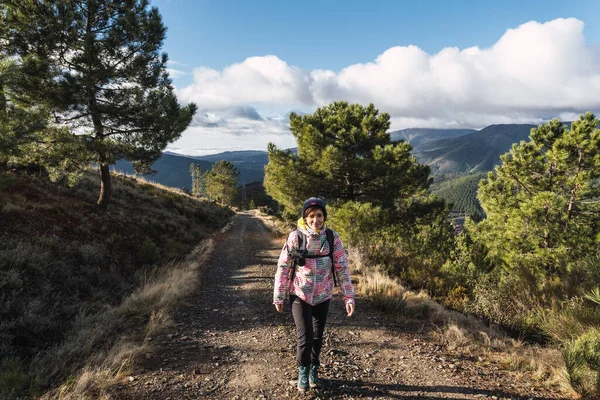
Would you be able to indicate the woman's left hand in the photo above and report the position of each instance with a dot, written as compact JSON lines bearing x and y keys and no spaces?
{"x":350,"y":309}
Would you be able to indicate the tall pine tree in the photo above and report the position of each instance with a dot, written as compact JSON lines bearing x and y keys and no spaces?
{"x":543,"y":202}
{"x":99,"y":66}
{"x":344,"y":153}
{"x":221,"y":182}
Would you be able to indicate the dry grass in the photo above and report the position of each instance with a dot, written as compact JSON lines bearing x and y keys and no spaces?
{"x":457,"y":331}
{"x":275,"y":224}
{"x":153,"y":303}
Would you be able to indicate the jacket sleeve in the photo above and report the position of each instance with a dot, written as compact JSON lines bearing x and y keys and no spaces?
{"x":282,"y":276}
{"x":342,"y":271}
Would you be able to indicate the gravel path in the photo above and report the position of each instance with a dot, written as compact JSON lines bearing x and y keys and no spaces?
{"x":228,"y":342}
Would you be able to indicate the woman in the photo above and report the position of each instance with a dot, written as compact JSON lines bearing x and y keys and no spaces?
{"x":305,"y":271}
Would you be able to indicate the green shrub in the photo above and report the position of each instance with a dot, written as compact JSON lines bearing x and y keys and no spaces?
{"x":149,"y":253}
{"x":457,"y":298}
{"x":13,"y":378}
{"x":582,"y":363}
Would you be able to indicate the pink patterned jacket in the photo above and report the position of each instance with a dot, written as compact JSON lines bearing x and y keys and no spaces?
{"x":313,"y":282}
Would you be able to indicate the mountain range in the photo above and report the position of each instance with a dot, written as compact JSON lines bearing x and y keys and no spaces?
{"x":449,"y":153}
{"x":470,"y":153}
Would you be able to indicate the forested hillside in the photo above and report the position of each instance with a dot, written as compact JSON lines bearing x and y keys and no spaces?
{"x":461,"y":192}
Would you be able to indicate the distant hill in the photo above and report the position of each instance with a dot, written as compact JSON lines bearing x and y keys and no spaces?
{"x":252,"y":162}
{"x":242,"y":159}
{"x":174,"y":170}
{"x":420,"y":136}
{"x":476,"y":152}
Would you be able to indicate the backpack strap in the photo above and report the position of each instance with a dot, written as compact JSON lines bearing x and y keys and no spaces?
{"x":301,"y":249}
{"x":329,"y":234}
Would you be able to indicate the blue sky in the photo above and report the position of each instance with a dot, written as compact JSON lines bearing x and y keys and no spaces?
{"x":428,"y":63}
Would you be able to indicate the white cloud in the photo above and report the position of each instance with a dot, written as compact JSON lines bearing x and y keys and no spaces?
{"x":266,"y":80}
{"x":172,"y":62}
{"x":533,"y":72}
{"x":533,"y":69}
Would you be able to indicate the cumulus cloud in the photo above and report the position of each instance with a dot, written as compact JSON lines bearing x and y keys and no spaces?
{"x":246,"y":112}
{"x":220,"y":118}
{"x":534,"y":72}
{"x":176,"y":69}
{"x":266,"y":80}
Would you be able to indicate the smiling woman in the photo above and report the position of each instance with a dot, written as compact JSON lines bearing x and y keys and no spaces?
{"x":310,"y":260}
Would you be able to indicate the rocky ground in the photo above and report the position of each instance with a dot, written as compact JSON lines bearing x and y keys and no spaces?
{"x":228,"y":342}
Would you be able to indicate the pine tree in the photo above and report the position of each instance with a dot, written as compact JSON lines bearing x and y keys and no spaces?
{"x":344,"y":153}
{"x":221,"y":182}
{"x":98,"y":65}
{"x":543,"y":202}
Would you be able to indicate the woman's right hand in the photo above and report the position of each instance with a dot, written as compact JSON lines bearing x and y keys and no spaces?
{"x":279,"y":307}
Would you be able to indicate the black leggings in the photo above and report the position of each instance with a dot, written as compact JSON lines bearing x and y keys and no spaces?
{"x":310,"y":324}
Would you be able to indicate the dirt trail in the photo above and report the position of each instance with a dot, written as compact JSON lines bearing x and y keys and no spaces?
{"x":228,"y":342}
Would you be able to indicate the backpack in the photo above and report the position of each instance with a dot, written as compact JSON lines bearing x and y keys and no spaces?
{"x":299,"y":255}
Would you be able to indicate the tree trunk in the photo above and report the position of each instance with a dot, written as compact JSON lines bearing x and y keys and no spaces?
{"x":105,"y":187}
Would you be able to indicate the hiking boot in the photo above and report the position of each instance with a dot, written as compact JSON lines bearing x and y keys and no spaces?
{"x":313,"y":376}
{"x":303,"y":379}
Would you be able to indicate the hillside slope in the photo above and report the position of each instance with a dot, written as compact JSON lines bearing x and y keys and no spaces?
{"x":418,"y":137}
{"x":62,"y":263}
{"x":461,"y":192}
